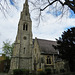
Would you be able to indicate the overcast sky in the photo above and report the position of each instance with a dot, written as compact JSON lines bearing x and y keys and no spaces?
{"x":51,"y":28}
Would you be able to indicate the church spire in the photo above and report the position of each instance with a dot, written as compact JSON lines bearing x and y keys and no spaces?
{"x":25,"y":15}
{"x":26,"y":2}
{"x":22,"y":52}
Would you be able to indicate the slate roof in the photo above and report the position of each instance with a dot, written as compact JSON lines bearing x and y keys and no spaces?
{"x":46,"y":46}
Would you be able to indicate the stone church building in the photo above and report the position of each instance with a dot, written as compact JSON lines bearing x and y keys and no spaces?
{"x":29,"y":53}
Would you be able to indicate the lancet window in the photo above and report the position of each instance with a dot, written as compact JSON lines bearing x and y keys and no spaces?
{"x":48,"y":60}
{"x":25,"y":27}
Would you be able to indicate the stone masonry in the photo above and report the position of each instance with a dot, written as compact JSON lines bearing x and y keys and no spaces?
{"x":22,"y":52}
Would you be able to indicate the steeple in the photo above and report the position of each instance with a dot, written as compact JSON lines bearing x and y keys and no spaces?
{"x":25,"y":15}
{"x":26,"y":2}
{"x":22,"y":52}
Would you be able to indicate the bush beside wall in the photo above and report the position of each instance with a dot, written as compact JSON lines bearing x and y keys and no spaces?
{"x":21,"y":72}
{"x":48,"y":71}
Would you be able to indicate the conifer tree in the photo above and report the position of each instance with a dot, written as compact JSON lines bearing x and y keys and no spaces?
{"x":66,"y":47}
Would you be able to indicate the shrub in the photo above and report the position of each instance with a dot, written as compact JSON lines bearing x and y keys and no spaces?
{"x":48,"y":71}
{"x":62,"y":70}
{"x":21,"y":72}
{"x":54,"y":71}
{"x":33,"y":72}
{"x":42,"y":73}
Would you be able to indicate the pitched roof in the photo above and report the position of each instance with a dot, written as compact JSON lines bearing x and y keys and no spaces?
{"x":46,"y":46}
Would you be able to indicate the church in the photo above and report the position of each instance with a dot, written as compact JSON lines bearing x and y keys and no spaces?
{"x":33,"y":54}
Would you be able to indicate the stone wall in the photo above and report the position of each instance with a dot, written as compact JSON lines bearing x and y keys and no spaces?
{"x":3,"y":74}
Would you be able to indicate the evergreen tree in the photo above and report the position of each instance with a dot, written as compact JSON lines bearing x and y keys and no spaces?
{"x":66,"y":47}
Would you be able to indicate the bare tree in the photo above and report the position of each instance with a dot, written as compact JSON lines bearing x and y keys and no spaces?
{"x":5,"y":5}
{"x":55,"y":7}
{"x":69,"y":3}
{"x":44,"y":4}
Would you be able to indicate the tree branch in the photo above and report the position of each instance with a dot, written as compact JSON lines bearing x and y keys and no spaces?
{"x":61,"y":3}
{"x":72,"y":7}
{"x":48,"y":1}
{"x":48,"y":5}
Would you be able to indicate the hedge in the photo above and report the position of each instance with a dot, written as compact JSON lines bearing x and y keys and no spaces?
{"x":20,"y":72}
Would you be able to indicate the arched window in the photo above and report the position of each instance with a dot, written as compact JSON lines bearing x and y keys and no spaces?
{"x":48,"y":60}
{"x":24,"y":27}
{"x":24,"y":50}
{"x":26,"y":14}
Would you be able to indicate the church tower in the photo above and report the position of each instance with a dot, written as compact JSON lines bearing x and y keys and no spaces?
{"x":22,"y":52}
